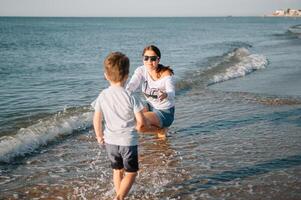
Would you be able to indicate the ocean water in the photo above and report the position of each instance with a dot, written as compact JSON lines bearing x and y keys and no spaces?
{"x":237,"y":132}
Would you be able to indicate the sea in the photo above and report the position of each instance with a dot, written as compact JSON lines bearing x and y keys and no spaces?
{"x":237,"y":128}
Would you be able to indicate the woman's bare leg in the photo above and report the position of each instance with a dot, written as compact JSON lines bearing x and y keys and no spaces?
{"x":154,"y":125}
{"x":153,"y":122}
{"x":162,"y":133}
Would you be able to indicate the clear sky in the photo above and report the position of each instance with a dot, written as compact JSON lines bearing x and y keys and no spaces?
{"x":143,"y":7}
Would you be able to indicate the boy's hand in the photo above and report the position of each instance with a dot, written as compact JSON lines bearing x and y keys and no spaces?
{"x":100,"y":140}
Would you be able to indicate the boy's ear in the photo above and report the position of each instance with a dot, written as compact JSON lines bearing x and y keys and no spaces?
{"x":106,"y":77}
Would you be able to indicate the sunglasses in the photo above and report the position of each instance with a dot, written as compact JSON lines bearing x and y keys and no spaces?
{"x":152,"y":58}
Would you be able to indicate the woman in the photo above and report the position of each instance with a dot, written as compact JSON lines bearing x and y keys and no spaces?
{"x":158,"y":87}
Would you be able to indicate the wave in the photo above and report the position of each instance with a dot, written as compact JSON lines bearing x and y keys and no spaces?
{"x":295,"y":30}
{"x":277,"y":100}
{"x":239,"y":63}
{"x":266,"y":99}
{"x":233,"y":64}
{"x":27,"y":140}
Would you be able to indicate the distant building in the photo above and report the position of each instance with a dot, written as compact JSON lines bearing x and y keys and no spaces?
{"x":294,"y":12}
{"x":287,"y":13}
{"x":278,"y":13}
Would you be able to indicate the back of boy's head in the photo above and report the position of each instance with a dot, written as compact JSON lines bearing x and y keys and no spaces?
{"x":116,"y":66}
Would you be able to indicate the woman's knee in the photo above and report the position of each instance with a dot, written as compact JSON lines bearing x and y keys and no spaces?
{"x":152,"y":118}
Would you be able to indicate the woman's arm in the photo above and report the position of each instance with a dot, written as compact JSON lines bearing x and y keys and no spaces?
{"x":135,"y":81}
{"x":169,"y":89}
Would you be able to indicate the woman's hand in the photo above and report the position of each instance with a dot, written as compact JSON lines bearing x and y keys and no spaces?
{"x":162,"y":95}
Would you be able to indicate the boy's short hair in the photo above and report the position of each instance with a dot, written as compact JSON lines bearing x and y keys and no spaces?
{"x":116,"y":66}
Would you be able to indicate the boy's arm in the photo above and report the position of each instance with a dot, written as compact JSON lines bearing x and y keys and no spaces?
{"x":97,"y":123}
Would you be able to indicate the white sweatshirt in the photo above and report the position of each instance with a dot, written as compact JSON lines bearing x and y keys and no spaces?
{"x":150,"y":88}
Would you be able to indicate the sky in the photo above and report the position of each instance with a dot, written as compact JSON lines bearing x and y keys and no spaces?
{"x":140,"y":8}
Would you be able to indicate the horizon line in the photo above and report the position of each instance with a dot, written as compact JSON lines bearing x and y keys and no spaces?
{"x":171,"y":16}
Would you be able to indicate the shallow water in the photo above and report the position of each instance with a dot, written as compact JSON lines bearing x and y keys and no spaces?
{"x":248,"y":151}
{"x":238,"y":110}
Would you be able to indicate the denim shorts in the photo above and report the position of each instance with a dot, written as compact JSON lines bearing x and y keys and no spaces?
{"x":123,"y":157}
{"x":166,"y":116}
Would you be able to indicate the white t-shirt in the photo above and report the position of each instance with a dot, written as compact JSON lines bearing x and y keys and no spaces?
{"x":151,"y":88}
{"x":118,"y":107}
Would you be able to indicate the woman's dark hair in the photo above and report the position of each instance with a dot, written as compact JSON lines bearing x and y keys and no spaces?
{"x":161,"y":68}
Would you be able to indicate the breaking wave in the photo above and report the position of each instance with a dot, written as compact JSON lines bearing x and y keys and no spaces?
{"x":236,"y":63}
{"x":28,"y":139}
{"x":295,"y":30}
{"x":242,"y":62}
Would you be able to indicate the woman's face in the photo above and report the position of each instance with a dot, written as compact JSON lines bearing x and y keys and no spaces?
{"x":150,"y":59}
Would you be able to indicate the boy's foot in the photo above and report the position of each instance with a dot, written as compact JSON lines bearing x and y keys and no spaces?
{"x":162,"y":133}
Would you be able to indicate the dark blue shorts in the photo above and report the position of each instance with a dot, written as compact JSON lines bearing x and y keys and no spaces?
{"x":166,"y":116}
{"x":123,"y":157}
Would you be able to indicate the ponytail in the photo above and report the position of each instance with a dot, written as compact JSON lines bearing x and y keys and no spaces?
{"x":161,"y":69}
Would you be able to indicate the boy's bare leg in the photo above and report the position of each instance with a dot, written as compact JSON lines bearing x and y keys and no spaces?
{"x":126,"y":185}
{"x":117,"y":178}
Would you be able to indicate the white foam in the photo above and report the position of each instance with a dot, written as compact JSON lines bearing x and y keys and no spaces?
{"x":295,"y":29}
{"x":29,"y":139}
{"x":246,"y":64}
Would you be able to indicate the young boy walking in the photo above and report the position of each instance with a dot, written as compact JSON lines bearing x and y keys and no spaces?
{"x":122,"y":113}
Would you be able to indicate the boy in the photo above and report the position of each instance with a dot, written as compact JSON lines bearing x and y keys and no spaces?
{"x":122,"y":115}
